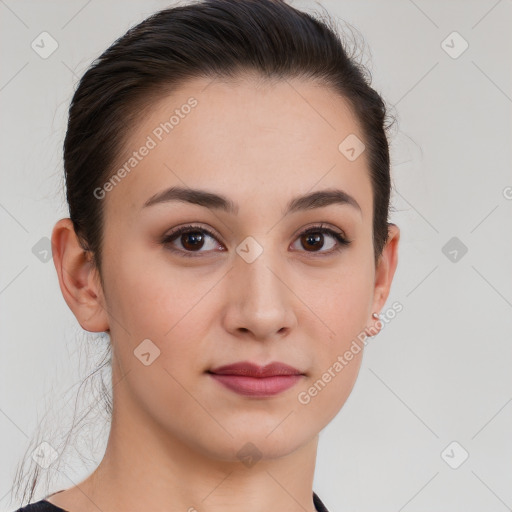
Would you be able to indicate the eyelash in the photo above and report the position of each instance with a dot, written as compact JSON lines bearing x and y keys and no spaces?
{"x":342,"y":241}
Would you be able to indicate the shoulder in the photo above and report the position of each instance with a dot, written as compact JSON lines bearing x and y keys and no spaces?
{"x":40,"y":506}
{"x":320,"y":507}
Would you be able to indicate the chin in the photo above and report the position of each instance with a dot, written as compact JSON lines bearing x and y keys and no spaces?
{"x":256,"y":443}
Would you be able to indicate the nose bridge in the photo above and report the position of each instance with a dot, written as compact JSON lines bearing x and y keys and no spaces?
{"x":259,"y":286}
{"x":260,"y":300}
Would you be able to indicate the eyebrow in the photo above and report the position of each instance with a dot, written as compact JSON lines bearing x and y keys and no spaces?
{"x":215,"y":201}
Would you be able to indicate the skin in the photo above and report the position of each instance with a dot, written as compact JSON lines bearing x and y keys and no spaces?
{"x":175,"y":431}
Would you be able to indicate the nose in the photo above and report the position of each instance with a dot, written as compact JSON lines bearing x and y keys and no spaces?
{"x":260,"y":303}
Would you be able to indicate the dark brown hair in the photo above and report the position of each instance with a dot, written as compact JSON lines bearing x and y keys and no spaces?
{"x":211,"y":39}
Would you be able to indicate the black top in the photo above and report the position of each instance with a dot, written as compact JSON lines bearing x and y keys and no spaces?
{"x":46,"y":506}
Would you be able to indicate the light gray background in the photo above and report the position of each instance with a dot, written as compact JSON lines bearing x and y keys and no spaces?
{"x":439,"y":372}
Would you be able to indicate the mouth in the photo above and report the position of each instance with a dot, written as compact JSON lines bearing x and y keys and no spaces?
{"x":249,"y":379}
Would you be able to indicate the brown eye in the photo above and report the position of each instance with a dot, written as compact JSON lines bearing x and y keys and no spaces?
{"x":191,"y":239}
{"x":314,"y":239}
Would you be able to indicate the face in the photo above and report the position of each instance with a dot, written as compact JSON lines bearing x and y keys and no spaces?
{"x":246,"y":282}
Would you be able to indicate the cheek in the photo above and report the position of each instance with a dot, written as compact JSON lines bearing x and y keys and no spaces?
{"x":170,"y":308}
{"x":327,"y":390}
{"x":342,"y":307}
{"x":151,"y":295}
{"x":174,"y":308}
{"x":342,"y":303}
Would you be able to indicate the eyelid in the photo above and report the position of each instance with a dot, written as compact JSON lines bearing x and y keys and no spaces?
{"x":190,"y":227}
{"x":321,"y":225}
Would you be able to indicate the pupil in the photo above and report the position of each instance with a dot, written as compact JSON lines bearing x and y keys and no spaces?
{"x":314,"y":239}
{"x":194,"y":239}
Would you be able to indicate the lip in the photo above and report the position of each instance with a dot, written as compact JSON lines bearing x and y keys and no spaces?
{"x":249,"y":379}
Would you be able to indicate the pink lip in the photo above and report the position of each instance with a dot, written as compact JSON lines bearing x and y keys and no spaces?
{"x":250,"y":379}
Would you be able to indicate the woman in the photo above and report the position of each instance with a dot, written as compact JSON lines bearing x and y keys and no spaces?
{"x":228,"y":181}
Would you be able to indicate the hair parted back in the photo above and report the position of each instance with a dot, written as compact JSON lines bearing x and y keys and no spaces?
{"x":268,"y":39}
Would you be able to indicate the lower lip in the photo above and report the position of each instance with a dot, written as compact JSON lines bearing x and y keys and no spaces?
{"x":252,"y":386}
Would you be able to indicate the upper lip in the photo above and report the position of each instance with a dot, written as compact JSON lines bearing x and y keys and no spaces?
{"x":249,"y":369}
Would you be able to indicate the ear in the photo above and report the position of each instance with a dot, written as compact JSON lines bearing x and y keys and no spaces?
{"x":78,"y":278}
{"x":385,"y":270}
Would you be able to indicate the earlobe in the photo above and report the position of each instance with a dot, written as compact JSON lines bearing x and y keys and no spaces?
{"x":374,"y":329}
{"x":78,"y":278}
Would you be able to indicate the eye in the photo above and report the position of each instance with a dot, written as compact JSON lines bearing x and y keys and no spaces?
{"x":192,"y":240}
{"x":314,"y":238}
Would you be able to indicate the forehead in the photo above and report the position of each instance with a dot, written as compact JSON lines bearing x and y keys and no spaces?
{"x":238,"y":137}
